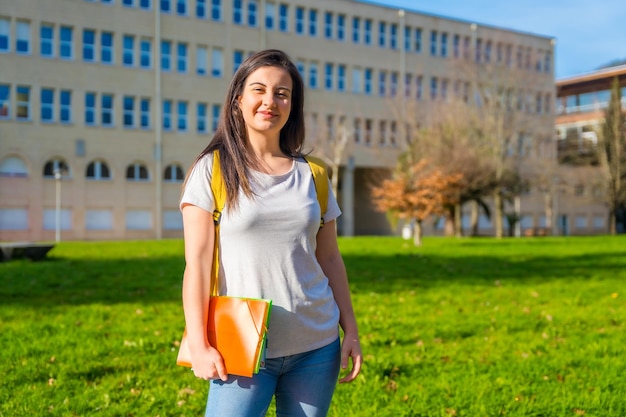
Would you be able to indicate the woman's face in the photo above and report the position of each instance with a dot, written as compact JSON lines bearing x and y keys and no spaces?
{"x":266,"y":101}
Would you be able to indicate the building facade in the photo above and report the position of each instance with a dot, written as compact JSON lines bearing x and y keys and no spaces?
{"x":581,"y":104}
{"x":104,"y":104}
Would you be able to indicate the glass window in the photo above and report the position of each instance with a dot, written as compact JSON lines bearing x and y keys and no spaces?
{"x":367,"y":36}
{"x":107,"y":109}
{"x":145,"y":50}
{"x":382,"y":81}
{"x":129,"y":111}
{"x":418,"y":87}
{"x":382,"y":32}
{"x":312,"y":22}
{"x":47,"y":105}
{"x":367,"y":85}
{"x":173,"y":173}
{"x":328,"y":25}
{"x":128,"y":3}
{"x":237,"y":12}
{"x":106,"y":47}
{"x":217,"y":62}
{"x":407,"y":85}
{"x":356,"y":29}
{"x":433,"y":42}
{"x":270,"y":16}
{"x":313,"y":75}
{"x":393,"y":40}
{"x":444,"y":44}
{"x":166,"y":6}
{"x":136,"y":172}
{"x":456,"y":46}
{"x":90,"y":108}
{"x":488,"y":51}
{"x":433,"y":88}
{"x":166,"y":55}
{"x":417,"y":41}
{"x":167,"y":114}
{"x":66,"y":44}
{"x":407,"y":38}
{"x":5,"y":101}
{"x":22,"y":40}
{"x":252,"y":11}
{"x":237,"y":59}
{"x":145,"y":113}
{"x":46,"y":39}
{"x":201,"y":9}
{"x":202,"y":59}
{"x":65,"y":110}
{"x":283,"y":18}
{"x":328,"y":76}
{"x":55,"y":165}
{"x":341,"y":27}
{"x":182,"y":116}
{"x":341,"y":77}
{"x":181,"y":57}
{"x":98,"y":170}
{"x":393,"y":88}
{"x":215,"y":118}
{"x":23,"y":103}
{"x":128,"y":52}
{"x":5,"y":34}
{"x":356,"y":80}
{"x":89,"y":45}
{"x":300,"y":66}
{"x":216,"y":10}
{"x":201,"y":118}
{"x":299,"y":20}
{"x":145,"y":4}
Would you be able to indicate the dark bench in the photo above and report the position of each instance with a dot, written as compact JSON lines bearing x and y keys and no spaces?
{"x":29,"y":250}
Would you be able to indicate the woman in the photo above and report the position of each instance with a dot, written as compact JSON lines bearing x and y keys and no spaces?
{"x":272,"y":247}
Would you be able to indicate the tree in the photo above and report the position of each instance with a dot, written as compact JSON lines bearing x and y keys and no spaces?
{"x":612,"y":154}
{"x":416,"y":192}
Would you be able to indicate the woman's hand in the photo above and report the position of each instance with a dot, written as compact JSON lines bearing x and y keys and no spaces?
{"x":351,"y":348}
{"x":209,"y":364}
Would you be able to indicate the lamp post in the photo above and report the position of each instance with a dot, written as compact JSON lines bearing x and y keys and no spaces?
{"x":57,"y":213}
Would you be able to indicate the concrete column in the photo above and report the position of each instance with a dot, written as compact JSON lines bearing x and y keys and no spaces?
{"x":347,"y":197}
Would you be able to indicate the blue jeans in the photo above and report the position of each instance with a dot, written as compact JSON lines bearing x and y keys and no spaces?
{"x":303,"y":384}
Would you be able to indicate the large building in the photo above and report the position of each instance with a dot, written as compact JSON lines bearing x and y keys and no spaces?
{"x":581,"y":104}
{"x":104,"y":104}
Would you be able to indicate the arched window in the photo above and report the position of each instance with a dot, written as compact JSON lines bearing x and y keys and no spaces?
{"x":98,"y":170}
{"x":137,"y":172}
{"x":53,"y":165}
{"x":173,"y":173}
{"x":13,"y":166}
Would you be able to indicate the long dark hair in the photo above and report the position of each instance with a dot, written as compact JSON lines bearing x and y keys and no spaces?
{"x":231,"y":137}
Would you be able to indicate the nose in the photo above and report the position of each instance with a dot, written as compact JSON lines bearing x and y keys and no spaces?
{"x":269,"y":100}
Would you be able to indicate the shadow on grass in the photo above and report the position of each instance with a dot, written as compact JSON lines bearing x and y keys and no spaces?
{"x":159,"y":279}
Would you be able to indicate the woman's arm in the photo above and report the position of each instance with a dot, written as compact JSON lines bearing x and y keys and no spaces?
{"x":330,"y":259}
{"x":199,"y":236}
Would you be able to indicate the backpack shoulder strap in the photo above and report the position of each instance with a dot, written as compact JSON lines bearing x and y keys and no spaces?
{"x":218,"y":187}
{"x":320,"y":178}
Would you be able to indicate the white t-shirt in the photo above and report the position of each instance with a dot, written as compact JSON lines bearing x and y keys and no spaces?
{"x":267,"y":250}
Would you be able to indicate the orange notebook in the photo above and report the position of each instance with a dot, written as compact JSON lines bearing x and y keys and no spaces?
{"x":237,"y":328}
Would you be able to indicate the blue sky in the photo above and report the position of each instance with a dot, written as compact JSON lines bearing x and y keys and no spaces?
{"x":588,"y":33}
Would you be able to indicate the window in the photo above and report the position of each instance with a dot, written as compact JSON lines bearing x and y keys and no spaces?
{"x":46,"y":40}
{"x":216,"y":10}
{"x":136,"y":172}
{"x":173,"y":173}
{"x":368,"y":132}
{"x":456,"y":46}
{"x":90,"y":108}
{"x":418,"y":87}
{"x":252,"y":11}
{"x":357,"y":82}
{"x":312,"y":22}
{"x":5,"y":101}
{"x":547,"y":62}
{"x":106,"y":110}
{"x":89,"y":45}
{"x":444,"y":88}
{"x":128,"y":3}
{"x":466,"y":48}
{"x":22,"y":39}
{"x":106,"y":47}
{"x":341,"y":77}
{"x":202,"y":58}
{"x":488,"y":51}
{"x":65,"y":110}
{"x":382,"y":35}
{"x":237,"y":59}
{"x":433,"y":88}
{"x":479,"y":50}
{"x":382,"y":81}
{"x":166,"y":55}
{"x":270,"y":16}
{"x":129,"y":111}
{"x":145,"y":113}
{"x":53,"y":166}
{"x":167,"y":114}
{"x":98,"y":170}
{"x":215,"y":116}
{"x":313,"y":75}
{"x":145,"y":51}
{"x":341,"y":27}
{"x":444,"y":44}
{"x":301,"y":69}
{"x":5,"y":34}
{"x":433,"y":42}
{"x":13,"y":167}
{"x":393,"y":88}
{"x":394,"y":36}
{"x":367,"y":36}
{"x":328,"y":25}
{"x":417,"y":41}
{"x":237,"y":12}
{"x":47,"y":105}
{"x":66,"y":45}
{"x":201,"y":9}
{"x":357,"y":131}
{"x":201,"y":118}
{"x":139,"y":220}
{"x":367,"y":87}
{"x":283,"y":18}
{"x":407,"y":85}
{"x":300,"y":20}
{"x":181,"y":57}
{"x":217,"y":64}
{"x":328,"y":76}
{"x":182,"y":116}
{"x":407,"y":38}
{"x":356,"y":30}
{"x":23,"y":103}
{"x":166,"y":6}
{"x":145,"y":4}
{"x":99,"y":220}
{"x":382,"y":129}
{"x":128,"y":51}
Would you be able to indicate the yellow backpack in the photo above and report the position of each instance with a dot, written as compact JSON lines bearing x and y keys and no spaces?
{"x":318,"y":170}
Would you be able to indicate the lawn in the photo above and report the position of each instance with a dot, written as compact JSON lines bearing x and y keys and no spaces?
{"x":459,"y":327}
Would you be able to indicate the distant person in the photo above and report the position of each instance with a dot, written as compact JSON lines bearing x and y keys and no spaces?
{"x":271,"y":247}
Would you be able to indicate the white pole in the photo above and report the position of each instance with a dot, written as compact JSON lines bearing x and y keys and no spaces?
{"x":57,"y":222}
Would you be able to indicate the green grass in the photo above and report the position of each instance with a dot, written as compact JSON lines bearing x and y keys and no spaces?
{"x":469,"y":327}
